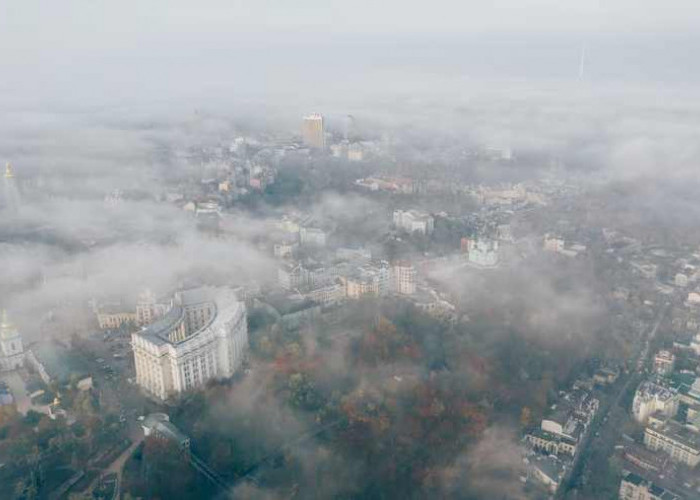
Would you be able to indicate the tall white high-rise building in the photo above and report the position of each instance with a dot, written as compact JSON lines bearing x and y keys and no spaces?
{"x":204,"y":335}
{"x":403,"y":276}
{"x":312,"y":131}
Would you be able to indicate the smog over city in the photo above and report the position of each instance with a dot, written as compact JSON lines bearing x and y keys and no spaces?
{"x":350,"y":250}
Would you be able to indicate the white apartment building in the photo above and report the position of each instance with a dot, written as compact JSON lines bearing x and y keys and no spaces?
{"x":292,"y":276}
{"x":204,"y":335}
{"x":483,"y":252}
{"x":369,"y":280}
{"x":403,"y":278}
{"x":414,"y":221}
{"x":651,"y":398}
{"x":328,"y":295}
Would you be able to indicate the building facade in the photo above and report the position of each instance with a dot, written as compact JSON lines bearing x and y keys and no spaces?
{"x":112,"y":319}
{"x":635,"y":487}
{"x":312,"y":131}
{"x":680,"y":443}
{"x":651,"y":398}
{"x":483,"y":252}
{"x":403,"y":278}
{"x":203,"y":336}
{"x":11,"y":347}
{"x":413,"y":221}
{"x":147,"y":308}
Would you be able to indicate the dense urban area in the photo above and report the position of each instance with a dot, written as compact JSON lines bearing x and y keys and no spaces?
{"x":345,"y":312}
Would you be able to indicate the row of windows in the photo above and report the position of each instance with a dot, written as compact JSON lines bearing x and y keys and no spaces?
{"x":676,"y":450}
{"x":199,"y":369}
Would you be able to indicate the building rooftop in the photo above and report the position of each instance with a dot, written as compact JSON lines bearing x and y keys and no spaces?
{"x":653,"y":488}
{"x":160,"y":424}
{"x":549,"y":436}
{"x":678,"y":432}
{"x":650,"y":390}
{"x":159,"y":331}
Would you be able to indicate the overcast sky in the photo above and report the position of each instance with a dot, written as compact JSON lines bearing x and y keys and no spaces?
{"x":310,"y":53}
{"x":32,"y":22}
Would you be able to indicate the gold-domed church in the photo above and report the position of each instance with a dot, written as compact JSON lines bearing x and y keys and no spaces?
{"x":11,"y":349}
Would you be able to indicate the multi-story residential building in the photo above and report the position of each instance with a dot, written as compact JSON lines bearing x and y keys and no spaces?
{"x":552,"y":443}
{"x":148,"y":309}
{"x":562,"y":430}
{"x":328,"y":295}
{"x":403,"y":278}
{"x":553,"y":244}
{"x":635,"y":487}
{"x":645,"y":459}
{"x":651,"y":398}
{"x":204,"y":335}
{"x":414,"y":221}
{"x":320,"y":275}
{"x":369,"y":280}
{"x":664,"y":362}
{"x":562,"y":424}
{"x":292,"y":276}
{"x":482,"y":252}
{"x":681,"y":443}
{"x":112,"y":315}
{"x":312,"y":131}
{"x":11,"y":348}
{"x":286,"y":246}
{"x":311,"y":236}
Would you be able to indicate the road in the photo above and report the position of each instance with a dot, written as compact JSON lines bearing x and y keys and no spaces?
{"x":605,"y":429}
{"x":136,"y":435}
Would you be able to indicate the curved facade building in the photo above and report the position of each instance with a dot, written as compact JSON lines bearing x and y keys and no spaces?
{"x":203,"y":335}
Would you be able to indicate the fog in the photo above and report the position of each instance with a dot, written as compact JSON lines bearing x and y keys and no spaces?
{"x":100,"y":106}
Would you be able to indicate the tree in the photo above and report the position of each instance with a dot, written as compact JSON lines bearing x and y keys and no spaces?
{"x":525,"y":416}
